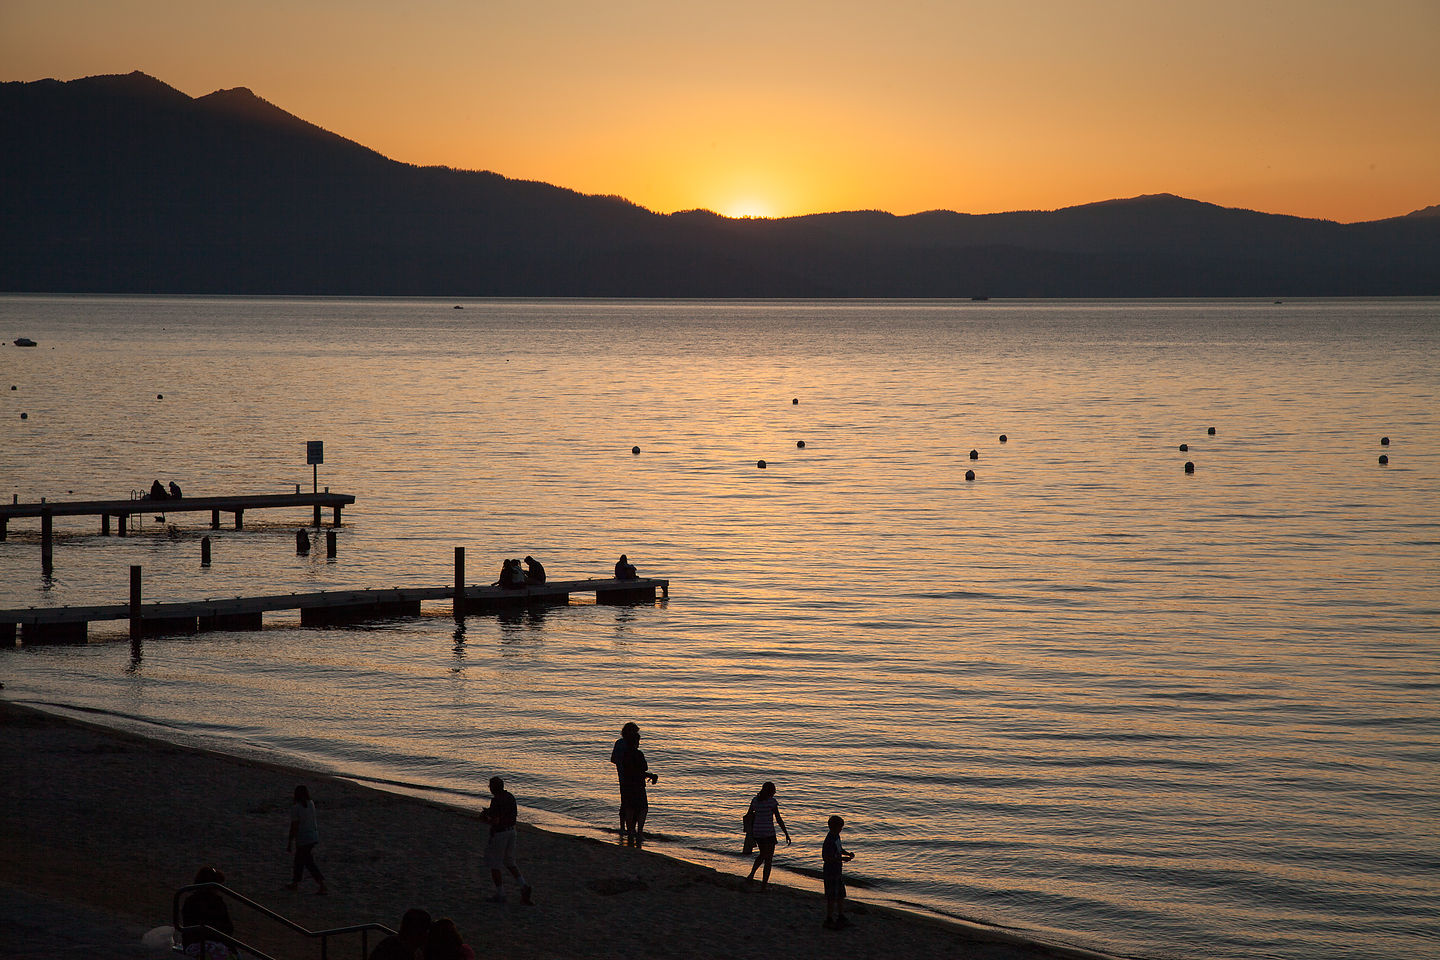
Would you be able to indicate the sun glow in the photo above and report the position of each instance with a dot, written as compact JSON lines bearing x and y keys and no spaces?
{"x":748,"y":208}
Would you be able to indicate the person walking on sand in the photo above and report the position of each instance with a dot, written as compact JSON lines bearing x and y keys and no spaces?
{"x":765,"y":814}
{"x":304,"y":835}
{"x":833,"y":858}
{"x":500,"y":852}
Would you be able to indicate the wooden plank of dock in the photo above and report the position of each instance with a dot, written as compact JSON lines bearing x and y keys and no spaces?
{"x":326,"y":607}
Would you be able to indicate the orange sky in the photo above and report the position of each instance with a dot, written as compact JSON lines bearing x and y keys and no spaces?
{"x":1320,"y":108}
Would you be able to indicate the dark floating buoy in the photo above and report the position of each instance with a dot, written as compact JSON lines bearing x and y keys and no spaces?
{"x":1189,"y":466}
{"x":1211,"y":431}
{"x":1003,"y":438}
{"x":794,"y":400}
{"x":1184,"y":447}
{"x":13,"y":387}
{"x":800,"y":444}
{"x":760,"y":464}
{"x":24,"y":416}
{"x":1384,"y":441}
{"x":159,"y":396}
{"x":635,"y":450}
{"x":1384,"y":459}
{"x":974,"y":454}
{"x":969,"y":474}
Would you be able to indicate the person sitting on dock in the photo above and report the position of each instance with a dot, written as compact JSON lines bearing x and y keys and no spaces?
{"x":511,"y":576}
{"x":534,"y":570}
{"x":625,"y":570}
{"x":174,"y":490}
{"x":157,"y":492}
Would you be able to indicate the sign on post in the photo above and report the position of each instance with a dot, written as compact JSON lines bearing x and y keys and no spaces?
{"x":315,"y":455}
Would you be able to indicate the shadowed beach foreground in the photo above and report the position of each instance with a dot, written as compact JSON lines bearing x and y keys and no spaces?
{"x":115,"y":823}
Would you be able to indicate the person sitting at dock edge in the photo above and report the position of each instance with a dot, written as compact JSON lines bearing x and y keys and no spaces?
{"x":534,"y":570}
{"x":511,"y":576}
{"x":174,"y":490}
{"x":157,"y":492}
{"x":625,"y":570}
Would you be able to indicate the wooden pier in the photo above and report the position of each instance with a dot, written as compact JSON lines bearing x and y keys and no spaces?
{"x":37,"y":625}
{"x":122,"y":510}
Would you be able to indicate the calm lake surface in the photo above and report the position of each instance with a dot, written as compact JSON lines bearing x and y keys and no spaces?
{"x":1085,"y":695}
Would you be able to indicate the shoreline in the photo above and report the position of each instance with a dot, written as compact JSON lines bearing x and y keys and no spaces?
{"x":117,"y":821}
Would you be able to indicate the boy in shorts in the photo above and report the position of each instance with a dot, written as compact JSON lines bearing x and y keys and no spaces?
{"x":834,"y":857}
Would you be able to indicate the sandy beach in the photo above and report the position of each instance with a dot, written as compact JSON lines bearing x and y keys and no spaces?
{"x":114,"y":823}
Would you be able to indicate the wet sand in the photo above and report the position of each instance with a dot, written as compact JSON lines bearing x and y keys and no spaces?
{"x":112,"y":822}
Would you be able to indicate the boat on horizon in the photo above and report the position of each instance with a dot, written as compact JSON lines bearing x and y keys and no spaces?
{"x":24,"y":342}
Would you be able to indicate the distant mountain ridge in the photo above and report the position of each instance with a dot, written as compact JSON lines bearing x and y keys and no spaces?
{"x":124,"y":184}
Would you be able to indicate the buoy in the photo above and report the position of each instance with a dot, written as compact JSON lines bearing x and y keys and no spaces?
{"x":635,"y":450}
{"x":13,"y":387}
{"x":1383,"y":459}
{"x":1189,"y":467}
{"x":974,"y":454}
{"x":1384,"y":441}
{"x":24,"y":416}
{"x":800,"y":444}
{"x":159,"y":396}
{"x":1184,"y":447}
{"x":1211,"y":431}
{"x":969,"y":474}
{"x":1003,"y":438}
{"x":794,"y":399}
{"x":760,"y":464}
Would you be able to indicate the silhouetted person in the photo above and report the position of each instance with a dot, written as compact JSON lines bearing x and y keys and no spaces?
{"x":625,"y":570}
{"x":444,"y":942}
{"x":765,"y":812}
{"x":174,"y":490}
{"x":617,"y":757}
{"x":534,"y":570}
{"x":511,"y":576}
{"x":206,"y":908}
{"x":304,"y":835}
{"x":634,"y":801}
{"x":157,"y":492}
{"x":500,"y":852}
{"x":834,"y":857}
{"x":409,"y":943}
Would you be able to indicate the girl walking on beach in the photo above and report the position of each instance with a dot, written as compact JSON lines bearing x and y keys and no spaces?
{"x":304,"y":835}
{"x":765,"y":814}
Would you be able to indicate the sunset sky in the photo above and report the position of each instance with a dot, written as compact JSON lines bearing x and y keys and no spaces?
{"x":1319,"y":108}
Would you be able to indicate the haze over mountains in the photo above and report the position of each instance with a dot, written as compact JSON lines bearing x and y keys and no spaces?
{"x":123,"y":184}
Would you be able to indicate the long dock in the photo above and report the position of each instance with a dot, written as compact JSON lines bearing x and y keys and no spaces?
{"x":37,"y":625}
{"x":122,"y":510}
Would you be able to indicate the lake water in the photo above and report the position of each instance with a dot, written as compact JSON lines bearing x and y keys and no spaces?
{"x":1085,"y":695}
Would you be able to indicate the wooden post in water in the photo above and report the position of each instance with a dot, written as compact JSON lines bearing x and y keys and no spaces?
{"x":47,"y":543}
{"x":136,"y":629}
{"x":317,"y":516}
{"x":330,"y":544}
{"x":302,"y":543}
{"x":459,"y":583}
{"x":214,"y":519}
{"x":204,"y":551}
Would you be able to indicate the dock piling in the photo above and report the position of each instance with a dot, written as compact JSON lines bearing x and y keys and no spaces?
{"x":47,"y":542}
{"x":316,"y":524}
{"x":330,"y":545}
{"x":459,"y":603}
{"x":302,"y":543}
{"x":204,"y":551}
{"x":136,"y":625}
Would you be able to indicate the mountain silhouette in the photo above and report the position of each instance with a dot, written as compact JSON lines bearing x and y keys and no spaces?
{"x":124,"y":184}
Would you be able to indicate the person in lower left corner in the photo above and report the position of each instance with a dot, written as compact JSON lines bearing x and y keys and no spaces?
{"x":834,"y":857}
{"x":202,"y":910}
{"x":500,"y":851}
{"x":304,"y":835}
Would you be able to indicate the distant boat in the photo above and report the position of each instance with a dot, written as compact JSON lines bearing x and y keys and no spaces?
{"x":979,"y":299}
{"x":24,"y":342}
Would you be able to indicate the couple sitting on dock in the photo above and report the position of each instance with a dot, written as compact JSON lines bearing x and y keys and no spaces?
{"x":512,"y":577}
{"x":158,"y":492}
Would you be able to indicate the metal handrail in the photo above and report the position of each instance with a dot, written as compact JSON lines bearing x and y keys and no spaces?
{"x":210,"y":933}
